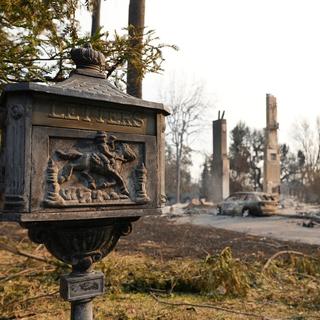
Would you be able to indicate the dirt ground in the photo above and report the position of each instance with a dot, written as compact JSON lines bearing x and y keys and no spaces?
{"x":162,"y":238}
{"x":286,"y":228}
{"x":159,"y":251}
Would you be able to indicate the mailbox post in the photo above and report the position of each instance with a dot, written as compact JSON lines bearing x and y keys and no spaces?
{"x":80,"y":161}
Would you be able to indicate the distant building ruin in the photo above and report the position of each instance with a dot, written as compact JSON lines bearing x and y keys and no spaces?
{"x":220,"y":173}
{"x":271,"y":172}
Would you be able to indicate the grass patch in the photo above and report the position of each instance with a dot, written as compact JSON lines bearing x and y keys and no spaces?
{"x":215,"y":276}
{"x":288,"y":289}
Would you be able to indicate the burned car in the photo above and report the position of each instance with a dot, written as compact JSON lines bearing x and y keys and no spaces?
{"x":248,"y":203}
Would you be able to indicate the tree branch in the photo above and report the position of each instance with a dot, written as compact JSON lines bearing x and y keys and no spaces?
{"x":25,"y":254}
{"x":33,"y":298}
{"x":182,"y":304}
{"x":288,"y":252}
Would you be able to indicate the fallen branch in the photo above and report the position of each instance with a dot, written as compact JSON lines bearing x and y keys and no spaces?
{"x":24,"y":253}
{"x":46,"y":295}
{"x":25,"y":316}
{"x":288,"y":252}
{"x":9,"y":318}
{"x":186,"y":304}
{"x":11,"y":276}
{"x":27,"y":272}
{"x":305,"y":275}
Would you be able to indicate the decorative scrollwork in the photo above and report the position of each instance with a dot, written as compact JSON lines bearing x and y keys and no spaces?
{"x":80,"y":244}
{"x":16,"y":111}
{"x":142,"y":196}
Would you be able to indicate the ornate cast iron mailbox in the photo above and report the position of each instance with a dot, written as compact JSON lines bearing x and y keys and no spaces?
{"x":80,"y":161}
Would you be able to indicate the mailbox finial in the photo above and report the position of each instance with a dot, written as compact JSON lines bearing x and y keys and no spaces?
{"x":88,"y":59}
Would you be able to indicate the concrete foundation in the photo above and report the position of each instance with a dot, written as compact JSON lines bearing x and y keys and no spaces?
{"x":271,"y":172}
{"x":220,"y":174}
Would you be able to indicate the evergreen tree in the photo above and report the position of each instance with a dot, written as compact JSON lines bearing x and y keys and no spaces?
{"x":257,"y":141}
{"x":36,"y":37}
{"x":246,"y":158}
{"x":206,"y":180}
{"x":239,"y":153}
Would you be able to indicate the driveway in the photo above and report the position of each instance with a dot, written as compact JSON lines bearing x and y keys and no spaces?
{"x":276,"y":227}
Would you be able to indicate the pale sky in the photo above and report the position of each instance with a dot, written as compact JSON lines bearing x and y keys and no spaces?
{"x":240,"y":50}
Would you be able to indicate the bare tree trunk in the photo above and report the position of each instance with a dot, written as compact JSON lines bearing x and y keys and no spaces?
{"x":187,"y":107}
{"x":136,"y":20}
{"x":178,"y":175}
{"x":95,"y":16}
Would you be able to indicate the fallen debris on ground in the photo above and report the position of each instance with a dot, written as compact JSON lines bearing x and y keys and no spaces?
{"x":178,"y":272}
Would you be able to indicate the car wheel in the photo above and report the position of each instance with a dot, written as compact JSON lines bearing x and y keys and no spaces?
{"x":219,"y":211}
{"x":245,"y":212}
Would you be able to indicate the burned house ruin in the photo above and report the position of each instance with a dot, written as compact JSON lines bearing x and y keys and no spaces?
{"x":220,"y":173}
{"x":271,"y":179}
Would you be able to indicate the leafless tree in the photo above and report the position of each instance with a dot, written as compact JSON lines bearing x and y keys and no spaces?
{"x":308,"y":141}
{"x":187,"y":109}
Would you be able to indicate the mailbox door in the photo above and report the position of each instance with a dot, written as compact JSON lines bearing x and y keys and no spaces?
{"x":82,"y":173}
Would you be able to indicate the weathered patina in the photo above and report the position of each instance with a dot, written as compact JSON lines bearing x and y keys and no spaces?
{"x":80,"y":160}
{"x":75,"y":149}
